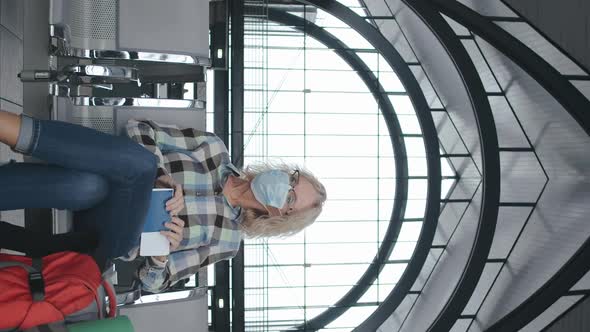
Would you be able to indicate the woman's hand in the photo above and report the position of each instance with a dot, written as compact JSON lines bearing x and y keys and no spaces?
{"x":175,"y":204}
{"x":174,"y":234}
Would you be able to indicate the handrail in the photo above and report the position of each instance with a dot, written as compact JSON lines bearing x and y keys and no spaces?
{"x":575,"y":104}
{"x":490,"y":161}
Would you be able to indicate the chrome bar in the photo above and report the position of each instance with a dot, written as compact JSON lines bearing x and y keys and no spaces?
{"x":108,"y":73}
{"x":138,"y":102}
{"x":61,"y":47}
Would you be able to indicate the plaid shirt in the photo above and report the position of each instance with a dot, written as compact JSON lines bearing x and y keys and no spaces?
{"x":200,"y":162}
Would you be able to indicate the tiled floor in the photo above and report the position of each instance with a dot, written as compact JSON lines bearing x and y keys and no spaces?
{"x":11,"y":89}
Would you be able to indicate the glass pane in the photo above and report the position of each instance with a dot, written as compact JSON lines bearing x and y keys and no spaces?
{"x":350,"y":38}
{"x":340,"y":253}
{"x":347,"y":210}
{"x":297,"y":238}
{"x":339,"y":166}
{"x":384,"y":226}
{"x":402,"y":104}
{"x":384,"y":130}
{"x":210,"y":124}
{"x":340,"y":146}
{"x":325,"y":60}
{"x":255,"y":123}
{"x":391,"y":82}
{"x":282,"y":102}
{"x":392,"y":272}
{"x":370,"y":295}
{"x":353,"y":317}
{"x":285,"y":297}
{"x":311,"y":42}
{"x":410,"y":231}
{"x":446,"y":186}
{"x":326,"y":295}
{"x":409,"y":124}
{"x":324,"y":19}
{"x":291,"y":39}
{"x":415,"y":208}
{"x":417,"y":188}
{"x":352,"y":188}
{"x":210,"y":94}
{"x":285,"y":276}
{"x":386,"y":188}
{"x":386,"y":167}
{"x":371,"y":59}
{"x":384,"y":65}
{"x":342,"y":124}
{"x":385,"y":147}
{"x":278,"y":316}
{"x":340,"y":81}
{"x":346,"y":232}
{"x":274,"y":145}
{"x":417,"y":166}
{"x":403,"y":250}
{"x":350,"y":3}
{"x":359,"y":11}
{"x":277,"y":79}
{"x":445,"y":168}
{"x":285,"y":58}
{"x":385,"y":209}
{"x":253,"y":276}
{"x":415,"y":147}
{"x":321,"y":275}
{"x":284,"y":123}
{"x":334,"y":102}
{"x":384,"y":290}
{"x":314,"y":311}
{"x":348,"y":329}
{"x":285,"y":254}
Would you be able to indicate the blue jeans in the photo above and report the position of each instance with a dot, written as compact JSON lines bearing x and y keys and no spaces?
{"x":106,"y":180}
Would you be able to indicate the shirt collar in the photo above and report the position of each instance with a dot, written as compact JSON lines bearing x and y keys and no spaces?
{"x":237,"y":210}
{"x":234,"y":169}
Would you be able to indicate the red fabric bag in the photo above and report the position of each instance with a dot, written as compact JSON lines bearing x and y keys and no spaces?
{"x":65,"y":286}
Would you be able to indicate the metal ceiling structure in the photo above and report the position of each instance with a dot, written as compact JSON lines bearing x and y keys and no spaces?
{"x":509,"y":111}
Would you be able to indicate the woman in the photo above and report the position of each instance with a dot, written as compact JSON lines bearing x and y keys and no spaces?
{"x":98,"y":176}
{"x":221,"y":205}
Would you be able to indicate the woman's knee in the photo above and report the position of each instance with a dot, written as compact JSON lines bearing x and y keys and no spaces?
{"x":88,"y":190}
{"x":141,"y":163}
{"x":145,"y":165}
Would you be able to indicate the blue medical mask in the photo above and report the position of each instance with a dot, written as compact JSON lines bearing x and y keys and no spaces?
{"x":271,"y":188}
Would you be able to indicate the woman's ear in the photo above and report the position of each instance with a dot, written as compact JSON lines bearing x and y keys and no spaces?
{"x":273,"y":211}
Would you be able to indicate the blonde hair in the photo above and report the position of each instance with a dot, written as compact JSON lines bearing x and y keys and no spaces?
{"x":256,"y":224}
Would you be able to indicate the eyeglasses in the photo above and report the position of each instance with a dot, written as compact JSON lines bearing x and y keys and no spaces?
{"x":291,"y":197}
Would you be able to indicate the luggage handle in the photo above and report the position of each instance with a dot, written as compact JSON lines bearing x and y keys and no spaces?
{"x":112,"y":298}
{"x":29,"y":268}
{"x":36,"y":282}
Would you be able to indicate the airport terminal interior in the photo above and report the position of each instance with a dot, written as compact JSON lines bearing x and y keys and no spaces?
{"x":452,"y":137}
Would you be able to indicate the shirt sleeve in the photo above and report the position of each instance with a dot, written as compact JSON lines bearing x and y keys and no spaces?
{"x":181,"y":265}
{"x":153,"y":276}
{"x":144,"y":134}
{"x":161,"y":139}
